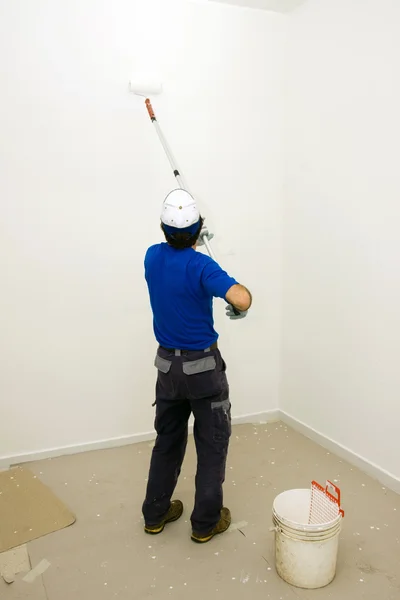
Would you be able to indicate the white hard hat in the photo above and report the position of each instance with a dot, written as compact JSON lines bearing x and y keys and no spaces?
{"x":179,"y":210}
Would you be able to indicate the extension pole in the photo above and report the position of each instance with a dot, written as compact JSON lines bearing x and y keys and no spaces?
{"x":166,"y":147}
{"x":174,"y":167}
{"x":178,"y":175}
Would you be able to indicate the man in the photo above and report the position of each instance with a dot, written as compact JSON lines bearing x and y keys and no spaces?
{"x":191,"y":370}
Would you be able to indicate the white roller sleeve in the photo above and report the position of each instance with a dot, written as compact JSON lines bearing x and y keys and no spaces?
{"x":145,"y":88}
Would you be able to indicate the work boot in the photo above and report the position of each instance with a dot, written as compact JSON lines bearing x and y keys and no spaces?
{"x":174,"y":513}
{"x":222,"y":525}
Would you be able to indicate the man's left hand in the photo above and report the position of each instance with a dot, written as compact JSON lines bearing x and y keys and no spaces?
{"x":204,"y":232}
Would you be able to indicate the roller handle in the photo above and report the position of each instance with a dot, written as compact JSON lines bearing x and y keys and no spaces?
{"x":150,"y":109}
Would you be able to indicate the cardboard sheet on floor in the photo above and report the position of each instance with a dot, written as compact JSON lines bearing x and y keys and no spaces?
{"x":28,"y":509}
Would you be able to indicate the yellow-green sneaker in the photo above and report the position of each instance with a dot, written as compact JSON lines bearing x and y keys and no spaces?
{"x":174,"y":513}
{"x":222,"y":525}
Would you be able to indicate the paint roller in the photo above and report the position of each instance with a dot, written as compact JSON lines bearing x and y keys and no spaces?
{"x":145,"y":89}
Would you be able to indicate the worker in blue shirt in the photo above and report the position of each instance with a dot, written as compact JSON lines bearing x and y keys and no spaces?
{"x":191,"y":374}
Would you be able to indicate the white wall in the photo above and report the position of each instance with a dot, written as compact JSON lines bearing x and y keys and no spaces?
{"x":275,"y":5}
{"x":82,"y":181}
{"x":341,"y":344}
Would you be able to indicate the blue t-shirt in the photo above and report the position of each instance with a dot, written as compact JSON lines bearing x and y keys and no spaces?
{"x":182,"y":284}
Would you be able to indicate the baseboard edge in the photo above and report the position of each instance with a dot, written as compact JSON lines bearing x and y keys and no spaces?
{"x":7,"y":461}
{"x":375,"y":471}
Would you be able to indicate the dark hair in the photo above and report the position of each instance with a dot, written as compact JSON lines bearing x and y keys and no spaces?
{"x":183,"y":239}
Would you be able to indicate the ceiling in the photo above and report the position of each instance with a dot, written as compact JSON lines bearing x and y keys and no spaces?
{"x":281,"y":6}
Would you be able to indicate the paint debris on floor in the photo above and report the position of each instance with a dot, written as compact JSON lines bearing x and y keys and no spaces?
{"x":106,"y":555}
{"x":13,"y":562}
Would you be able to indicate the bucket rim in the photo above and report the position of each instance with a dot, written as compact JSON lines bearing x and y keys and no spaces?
{"x":308,"y":526}
{"x":304,"y":526}
{"x":307,"y":535}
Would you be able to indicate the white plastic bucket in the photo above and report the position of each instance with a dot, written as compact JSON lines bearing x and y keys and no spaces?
{"x":305,"y":555}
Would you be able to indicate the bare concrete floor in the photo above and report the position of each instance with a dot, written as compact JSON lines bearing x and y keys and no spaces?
{"x":106,"y":555}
